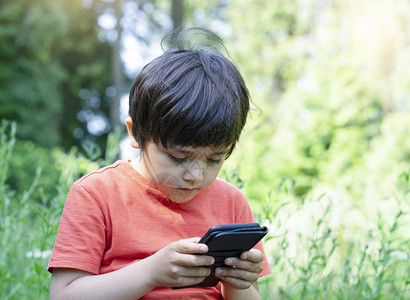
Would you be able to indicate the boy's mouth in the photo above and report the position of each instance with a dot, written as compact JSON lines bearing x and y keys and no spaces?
{"x":188,"y":190}
{"x":182,"y":195}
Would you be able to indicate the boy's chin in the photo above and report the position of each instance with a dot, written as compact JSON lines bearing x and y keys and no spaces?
{"x":182,"y":196}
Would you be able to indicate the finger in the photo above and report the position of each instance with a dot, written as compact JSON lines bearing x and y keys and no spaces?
{"x":185,"y":281}
{"x":253,"y":255}
{"x":190,"y":246}
{"x":196,"y":272}
{"x":241,"y":274}
{"x":237,"y":283}
{"x":192,"y":260}
{"x":189,"y":276}
{"x":244,"y":264}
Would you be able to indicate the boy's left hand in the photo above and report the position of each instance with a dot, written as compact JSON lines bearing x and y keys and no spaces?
{"x":245,"y":270}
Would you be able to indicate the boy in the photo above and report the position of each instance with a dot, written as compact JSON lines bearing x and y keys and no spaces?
{"x":131,"y":230}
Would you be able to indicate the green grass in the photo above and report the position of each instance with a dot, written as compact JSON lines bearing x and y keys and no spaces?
{"x":325,"y":246}
{"x":27,"y":229}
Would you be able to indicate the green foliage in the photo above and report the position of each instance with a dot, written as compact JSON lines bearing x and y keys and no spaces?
{"x":26,"y":162}
{"x":29,"y":160}
{"x":25,"y":230}
{"x":49,"y":52}
{"x":29,"y":82}
{"x":30,"y":215}
{"x":324,"y":157}
{"x":86,"y":61}
{"x":318,"y":114}
{"x":326,"y":248}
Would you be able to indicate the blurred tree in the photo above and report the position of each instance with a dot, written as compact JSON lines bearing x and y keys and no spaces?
{"x":86,"y":89}
{"x":62,"y":69}
{"x":116,"y":8}
{"x":177,"y":13}
{"x":52,"y":66}
{"x":64,"y":85}
{"x":328,"y":75}
{"x":211,"y":14}
{"x":117,"y":69}
{"x":29,"y":76}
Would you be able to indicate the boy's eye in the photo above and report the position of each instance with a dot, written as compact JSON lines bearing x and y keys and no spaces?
{"x":214,"y":161}
{"x":177,"y":159}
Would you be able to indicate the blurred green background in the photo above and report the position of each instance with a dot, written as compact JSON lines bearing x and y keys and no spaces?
{"x":324,"y":158}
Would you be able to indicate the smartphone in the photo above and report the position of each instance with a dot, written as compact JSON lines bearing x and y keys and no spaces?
{"x":229,"y":240}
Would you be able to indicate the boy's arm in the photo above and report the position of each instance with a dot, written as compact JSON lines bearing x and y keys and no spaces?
{"x":173,"y":265}
{"x":127,"y":283}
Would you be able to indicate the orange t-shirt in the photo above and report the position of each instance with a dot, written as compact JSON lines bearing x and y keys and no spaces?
{"x":114,"y":217}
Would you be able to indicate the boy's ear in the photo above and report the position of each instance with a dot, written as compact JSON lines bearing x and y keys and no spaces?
{"x":133,"y":141}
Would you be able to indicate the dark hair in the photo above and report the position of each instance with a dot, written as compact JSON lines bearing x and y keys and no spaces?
{"x":190,"y":96}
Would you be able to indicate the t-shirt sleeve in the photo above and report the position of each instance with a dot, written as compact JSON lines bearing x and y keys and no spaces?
{"x":244,"y":215}
{"x":80,"y":241}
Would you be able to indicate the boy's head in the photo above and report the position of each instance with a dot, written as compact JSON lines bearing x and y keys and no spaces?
{"x":189,"y":97}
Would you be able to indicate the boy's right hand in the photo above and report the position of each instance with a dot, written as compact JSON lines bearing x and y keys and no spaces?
{"x":179,"y":264}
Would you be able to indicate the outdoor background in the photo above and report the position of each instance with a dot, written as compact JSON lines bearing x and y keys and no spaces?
{"x":324,"y":158}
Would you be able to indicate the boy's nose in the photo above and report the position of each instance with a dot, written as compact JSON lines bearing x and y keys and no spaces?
{"x":193,"y":172}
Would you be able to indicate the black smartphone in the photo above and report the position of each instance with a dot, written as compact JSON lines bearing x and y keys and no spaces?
{"x":229,"y":240}
{"x":226,"y":227}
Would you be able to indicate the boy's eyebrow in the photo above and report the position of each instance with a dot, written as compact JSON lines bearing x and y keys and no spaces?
{"x":189,"y":151}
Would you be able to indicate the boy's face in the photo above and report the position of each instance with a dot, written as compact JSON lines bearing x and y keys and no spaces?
{"x":180,"y":173}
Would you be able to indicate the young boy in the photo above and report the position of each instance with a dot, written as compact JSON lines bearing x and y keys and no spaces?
{"x":131,"y":230}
